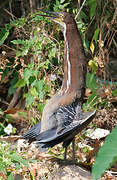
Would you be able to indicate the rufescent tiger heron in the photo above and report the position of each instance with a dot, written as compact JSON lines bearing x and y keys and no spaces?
{"x":63,"y":116}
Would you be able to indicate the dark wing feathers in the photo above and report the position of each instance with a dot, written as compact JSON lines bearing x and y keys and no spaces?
{"x":71,"y":130}
{"x":70,"y":120}
{"x":65,"y":116}
{"x":67,"y":135}
{"x":33,"y":132}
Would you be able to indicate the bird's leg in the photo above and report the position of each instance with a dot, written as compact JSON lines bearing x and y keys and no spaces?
{"x":65,"y":153}
{"x":73,"y":150}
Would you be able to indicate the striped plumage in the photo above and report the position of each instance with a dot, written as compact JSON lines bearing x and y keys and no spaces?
{"x":70,"y":120}
{"x":62,"y":116}
{"x":33,"y":132}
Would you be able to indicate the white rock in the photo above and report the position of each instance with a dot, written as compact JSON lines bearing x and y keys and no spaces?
{"x":22,"y":143}
{"x":82,"y":145}
{"x":97,"y":133}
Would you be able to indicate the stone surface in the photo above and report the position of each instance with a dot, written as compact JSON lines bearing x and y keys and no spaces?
{"x":70,"y":172}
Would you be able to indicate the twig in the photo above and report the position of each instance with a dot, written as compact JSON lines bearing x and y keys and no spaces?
{"x":11,"y":9}
{"x":15,"y":98}
{"x":4,"y":45}
{"x":80,"y":9}
{"x":92,"y":101}
{"x":23,"y":9}
{"x":9,"y":13}
{"x":4,"y":102}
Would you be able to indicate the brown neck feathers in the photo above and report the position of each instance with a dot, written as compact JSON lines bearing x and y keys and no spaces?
{"x":74,"y":62}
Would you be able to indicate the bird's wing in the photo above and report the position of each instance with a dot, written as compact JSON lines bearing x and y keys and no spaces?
{"x":51,"y":136}
{"x":33,"y":132}
{"x":65,"y":116}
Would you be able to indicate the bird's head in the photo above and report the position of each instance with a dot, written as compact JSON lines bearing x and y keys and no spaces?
{"x":61,"y":18}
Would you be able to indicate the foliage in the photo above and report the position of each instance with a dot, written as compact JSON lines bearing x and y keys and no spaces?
{"x":60,"y":5}
{"x":92,"y":4}
{"x":37,"y":88}
{"x":5,"y":124}
{"x":9,"y":160}
{"x":106,"y":156}
{"x":33,"y":76}
{"x":35,"y":41}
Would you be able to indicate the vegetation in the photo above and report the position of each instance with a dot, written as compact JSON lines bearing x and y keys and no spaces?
{"x":108,"y":153}
{"x":9,"y":161}
{"x":31,"y":61}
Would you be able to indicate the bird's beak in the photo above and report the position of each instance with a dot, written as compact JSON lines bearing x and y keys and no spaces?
{"x":57,"y":17}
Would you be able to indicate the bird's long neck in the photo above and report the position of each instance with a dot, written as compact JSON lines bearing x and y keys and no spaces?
{"x":74,"y":63}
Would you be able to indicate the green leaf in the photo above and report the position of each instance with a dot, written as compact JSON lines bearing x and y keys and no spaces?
{"x":14,"y":130}
{"x":23,"y":114}
{"x":29,"y":100}
{"x":18,"y":53}
{"x":34,"y":92}
{"x":93,"y":64}
{"x":114,"y":92}
{"x":1,"y":167}
{"x":27,"y":73}
{"x":31,"y":65}
{"x":92,"y":47}
{"x":3,"y":35}
{"x":96,"y":35}
{"x":57,"y":2}
{"x":91,"y":81}
{"x":16,"y":158}
{"x":18,"y":23}
{"x":47,"y":88}
{"x":62,"y":1}
{"x":9,"y":118}
{"x":92,"y":6}
{"x":40,"y":107}
{"x":107,"y":155}
{"x":91,"y":102}
{"x":32,"y":81}
{"x":20,"y":83}
{"x":23,"y":52}
{"x":1,"y":111}
{"x":52,"y":53}
{"x":19,"y":41}
{"x":92,"y":10}
{"x":39,"y":85}
{"x":35,"y":72}
{"x":41,"y":95}
{"x":10,"y":176}
{"x":18,"y":166}
{"x":8,"y":27}
{"x":11,"y":90}
{"x":44,"y":65}
{"x":64,"y":5}
{"x":60,"y":5}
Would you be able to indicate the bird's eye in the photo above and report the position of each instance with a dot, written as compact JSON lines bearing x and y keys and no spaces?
{"x":62,"y":15}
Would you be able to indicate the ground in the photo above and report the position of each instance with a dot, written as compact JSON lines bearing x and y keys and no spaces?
{"x":50,"y":165}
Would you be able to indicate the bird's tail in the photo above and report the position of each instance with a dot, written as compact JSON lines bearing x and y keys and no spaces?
{"x":32,"y":135}
{"x":33,"y":132}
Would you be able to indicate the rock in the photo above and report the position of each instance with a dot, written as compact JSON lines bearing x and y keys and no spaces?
{"x":18,"y":177}
{"x":70,"y":172}
{"x":97,"y":133}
